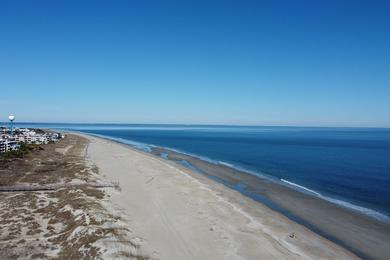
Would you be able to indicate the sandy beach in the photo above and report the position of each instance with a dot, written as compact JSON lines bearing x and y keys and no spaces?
{"x":175,"y":214}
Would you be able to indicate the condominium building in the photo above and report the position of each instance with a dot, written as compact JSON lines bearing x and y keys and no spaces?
{"x":10,"y":142}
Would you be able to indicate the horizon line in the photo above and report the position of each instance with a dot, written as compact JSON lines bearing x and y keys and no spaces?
{"x":199,"y":124}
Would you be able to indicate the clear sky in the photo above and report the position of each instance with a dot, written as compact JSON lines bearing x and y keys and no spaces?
{"x":214,"y":62}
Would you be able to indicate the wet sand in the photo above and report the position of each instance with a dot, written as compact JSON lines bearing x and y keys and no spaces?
{"x":175,"y":213}
{"x":366,"y":237}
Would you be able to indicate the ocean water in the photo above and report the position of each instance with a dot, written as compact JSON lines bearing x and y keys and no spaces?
{"x":347,"y":166}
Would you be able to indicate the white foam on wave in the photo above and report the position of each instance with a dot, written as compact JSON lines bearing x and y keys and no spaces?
{"x":369,"y":212}
{"x":254,"y":173}
{"x":216,"y":162}
{"x":301,"y":187}
{"x":226,"y":164}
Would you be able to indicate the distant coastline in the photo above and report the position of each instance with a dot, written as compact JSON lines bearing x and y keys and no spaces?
{"x":42,"y":124}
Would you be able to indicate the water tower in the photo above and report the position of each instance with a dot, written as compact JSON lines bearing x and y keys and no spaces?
{"x":11,"y":120}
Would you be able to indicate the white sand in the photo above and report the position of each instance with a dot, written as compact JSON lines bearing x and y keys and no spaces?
{"x":176,"y":214}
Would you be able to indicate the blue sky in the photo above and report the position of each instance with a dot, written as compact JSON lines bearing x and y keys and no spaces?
{"x":323,"y":63}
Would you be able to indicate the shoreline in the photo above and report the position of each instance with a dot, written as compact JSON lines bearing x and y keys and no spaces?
{"x":364,"y":211}
{"x":359,"y":233}
{"x":343,"y":203}
{"x":246,"y":228}
{"x":364,"y":236}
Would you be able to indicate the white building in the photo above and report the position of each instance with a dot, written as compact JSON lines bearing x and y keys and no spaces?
{"x":2,"y":146}
{"x":8,"y":145}
{"x":31,"y":137}
{"x":27,"y":136}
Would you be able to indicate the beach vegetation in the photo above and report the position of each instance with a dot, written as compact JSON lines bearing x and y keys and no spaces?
{"x":21,"y":152}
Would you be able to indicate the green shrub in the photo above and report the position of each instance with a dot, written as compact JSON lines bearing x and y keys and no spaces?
{"x":23,"y":150}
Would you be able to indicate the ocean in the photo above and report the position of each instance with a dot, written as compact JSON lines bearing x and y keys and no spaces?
{"x":346,"y":166}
